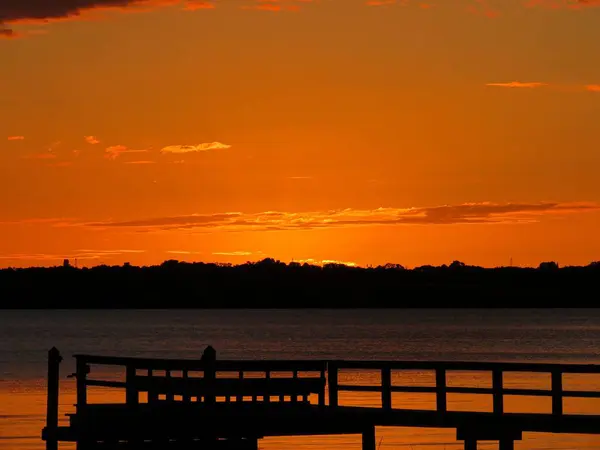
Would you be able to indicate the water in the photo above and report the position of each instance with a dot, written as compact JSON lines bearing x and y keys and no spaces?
{"x":565,"y":335}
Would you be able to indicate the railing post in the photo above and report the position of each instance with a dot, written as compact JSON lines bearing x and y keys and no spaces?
{"x":332,"y":382}
{"x":386,"y":388}
{"x":322,"y":391}
{"x":209,"y":357}
{"x":498,"y":394}
{"x":368,"y":438}
{"x":440,"y":385}
{"x":557,"y":404}
{"x":81,"y":372}
{"x":132,"y":397}
{"x":54,"y":360}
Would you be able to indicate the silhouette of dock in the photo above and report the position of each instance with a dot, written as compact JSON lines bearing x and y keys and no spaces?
{"x":225,"y":404}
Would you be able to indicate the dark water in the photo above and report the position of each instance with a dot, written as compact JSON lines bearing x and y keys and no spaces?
{"x":552,"y":335}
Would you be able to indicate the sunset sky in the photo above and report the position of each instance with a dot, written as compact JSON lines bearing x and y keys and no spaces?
{"x":349,"y":130}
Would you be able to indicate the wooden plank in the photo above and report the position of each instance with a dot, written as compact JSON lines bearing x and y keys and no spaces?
{"x":469,"y":366}
{"x":199,"y":365}
{"x":232,"y":387}
{"x":288,"y":420}
{"x":106,"y":383}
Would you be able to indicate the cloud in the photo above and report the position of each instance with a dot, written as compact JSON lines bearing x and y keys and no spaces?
{"x":16,"y":138}
{"x":27,"y":12}
{"x":142,"y":162}
{"x":275,"y":5}
{"x":183,"y":252}
{"x":469,"y":213}
{"x":194,"y":148}
{"x":114,"y":151}
{"x":555,"y":87}
{"x":93,"y":140}
{"x":322,"y":262}
{"x":237,"y":253}
{"x":193,"y":5}
{"x":518,"y":84}
{"x":76,"y":254}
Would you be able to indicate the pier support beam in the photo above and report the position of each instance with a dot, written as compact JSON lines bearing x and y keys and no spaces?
{"x":368,"y":438}
{"x":54,"y":360}
{"x":507,"y":444}
{"x":470,"y":444}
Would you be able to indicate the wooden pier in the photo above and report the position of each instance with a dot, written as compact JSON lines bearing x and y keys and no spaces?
{"x":225,"y":404}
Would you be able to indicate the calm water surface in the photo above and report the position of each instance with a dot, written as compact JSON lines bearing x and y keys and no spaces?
{"x":564,"y":335}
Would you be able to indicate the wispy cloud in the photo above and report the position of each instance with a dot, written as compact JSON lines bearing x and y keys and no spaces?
{"x":554,"y":86}
{"x":238,"y":253}
{"x":194,"y":148}
{"x":27,"y":12}
{"x":194,"y":5}
{"x":76,"y":254}
{"x":142,"y":162}
{"x":470,"y":213}
{"x":519,"y":84}
{"x":93,"y":140}
{"x":16,"y":138}
{"x":323,"y":262}
{"x":275,"y":5}
{"x":114,"y":151}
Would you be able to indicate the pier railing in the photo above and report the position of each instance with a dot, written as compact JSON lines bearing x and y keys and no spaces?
{"x":441,"y":389}
{"x":205,"y":381}
{"x":188,"y":380}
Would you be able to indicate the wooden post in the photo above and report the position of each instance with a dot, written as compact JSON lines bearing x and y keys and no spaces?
{"x":132,"y":397}
{"x":368,"y":438}
{"x":54,"y":360}
{"x":169,"y":395}
{"x":498,"y":395}
{"x":186,"y":393}
{"x":386,"y":388}
{"x":152,"y":393}
{"x":440,"y":394}
{"x":81,"y":373}
{"x":557,"y":404}
{"x":507,"y":444}
{"x":240,"y":398}
{"x":332,"y":381}
{"x":470,"y":444}
{"x":209,"y":357}
{"x":322,"y":391}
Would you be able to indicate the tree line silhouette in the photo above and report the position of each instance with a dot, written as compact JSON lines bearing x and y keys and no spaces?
{"x":274,"y":284}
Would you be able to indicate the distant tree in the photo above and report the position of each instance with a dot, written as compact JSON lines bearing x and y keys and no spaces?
{"x":549,"y":265}
{"x":457,"y":265}
{"x":392,"y":266}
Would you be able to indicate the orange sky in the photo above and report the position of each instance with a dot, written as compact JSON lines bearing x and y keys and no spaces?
{"x":349,"y":130}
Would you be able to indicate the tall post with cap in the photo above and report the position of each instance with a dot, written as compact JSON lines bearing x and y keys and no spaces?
{"x":54,"y":360}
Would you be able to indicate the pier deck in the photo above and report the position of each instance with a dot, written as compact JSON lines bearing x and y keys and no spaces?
{"x":184,"y":404}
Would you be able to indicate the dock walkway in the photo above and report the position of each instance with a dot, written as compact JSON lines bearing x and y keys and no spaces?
{"x":225,"y":404}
